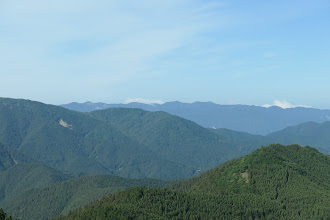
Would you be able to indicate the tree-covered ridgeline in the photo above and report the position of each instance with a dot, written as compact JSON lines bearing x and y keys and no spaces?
{"x":275,"y":182}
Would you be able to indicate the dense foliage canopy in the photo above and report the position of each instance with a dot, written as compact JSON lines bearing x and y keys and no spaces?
{"x":276,"y":182}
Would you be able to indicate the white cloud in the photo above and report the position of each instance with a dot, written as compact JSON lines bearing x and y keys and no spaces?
{"x":144,"y":101}
{"x":266,"y":106}
{"x":283,"y":104}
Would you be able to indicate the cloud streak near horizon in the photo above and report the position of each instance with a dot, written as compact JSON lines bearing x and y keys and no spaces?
{"x":284,"y":104}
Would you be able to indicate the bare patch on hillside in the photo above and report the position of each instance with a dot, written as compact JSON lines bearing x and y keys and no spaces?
{"x":65,"y":124}
{"x":245,"y":175}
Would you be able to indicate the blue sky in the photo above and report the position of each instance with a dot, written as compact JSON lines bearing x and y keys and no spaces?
{"x":228,"y":52}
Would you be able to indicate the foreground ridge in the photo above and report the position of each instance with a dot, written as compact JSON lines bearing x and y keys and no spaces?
{"x":275,"y":182}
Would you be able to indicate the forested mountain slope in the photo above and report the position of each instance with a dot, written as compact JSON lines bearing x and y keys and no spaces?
{"x":46,"y":145}
{"x":275,"y":182}
{"x":77,"y":144}
{"x":20,"y":174}
{"x":60,"y":198}
{"x":174,"y":138}
{"x":313,"y":134}
{"x":32,"y":190}
{"x":55,"y":136}
{"x":125,"y":142}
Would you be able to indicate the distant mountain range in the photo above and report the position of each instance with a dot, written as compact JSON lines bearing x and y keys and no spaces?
{"x":251,"y":119}
{"x":275,"y":182}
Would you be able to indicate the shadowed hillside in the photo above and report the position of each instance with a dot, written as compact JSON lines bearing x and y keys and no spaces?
{"x":20,"y":174}
{"x":174,"y":138}
{"x":60,"y":198}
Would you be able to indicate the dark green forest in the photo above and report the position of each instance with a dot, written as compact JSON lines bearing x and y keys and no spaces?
{"x":32,"y":190}
{"x":62,"y":197}
{"x":275,"y":182}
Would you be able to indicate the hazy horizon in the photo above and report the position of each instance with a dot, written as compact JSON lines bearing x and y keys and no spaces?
{"x":276,"y":103}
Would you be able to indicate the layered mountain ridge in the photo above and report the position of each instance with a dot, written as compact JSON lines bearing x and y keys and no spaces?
{"x":252,"y":119}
